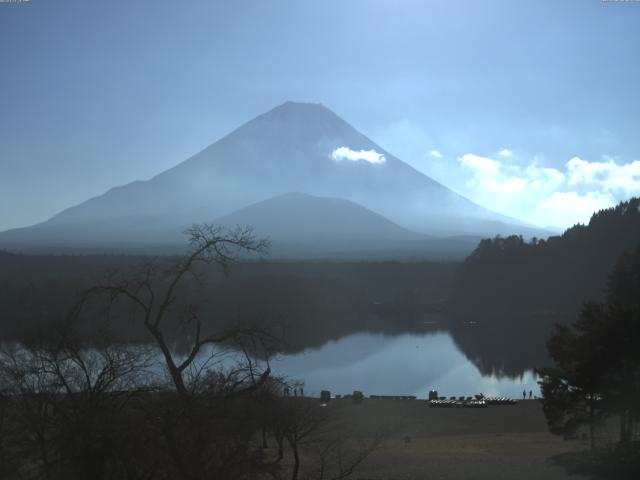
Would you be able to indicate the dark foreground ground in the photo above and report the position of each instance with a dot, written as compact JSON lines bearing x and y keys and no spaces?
{"x":497,"y":442}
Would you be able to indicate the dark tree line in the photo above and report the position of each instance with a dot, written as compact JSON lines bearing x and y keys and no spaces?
{"x":509,"y":293}
{"x":507,"y":277}
{"x":315,"y":301}
{"x":596,"y":376}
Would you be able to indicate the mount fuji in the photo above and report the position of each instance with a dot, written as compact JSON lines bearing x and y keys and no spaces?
{"x":295,"y":147}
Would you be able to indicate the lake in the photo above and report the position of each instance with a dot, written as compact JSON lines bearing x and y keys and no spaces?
{"x":380,"y":364}
{"x":404,"y":364}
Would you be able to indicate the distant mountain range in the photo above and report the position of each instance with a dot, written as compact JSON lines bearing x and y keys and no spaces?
{"x":353,"y":196}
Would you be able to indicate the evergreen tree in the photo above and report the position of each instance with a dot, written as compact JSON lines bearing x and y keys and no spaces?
{"x":597,"y":359}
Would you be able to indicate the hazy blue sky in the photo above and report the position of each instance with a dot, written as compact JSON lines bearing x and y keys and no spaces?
{"x":530,"y":108}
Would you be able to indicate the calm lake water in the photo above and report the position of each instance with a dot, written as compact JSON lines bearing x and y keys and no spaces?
{"x":381,"y":364}
{"x":406,"y":364}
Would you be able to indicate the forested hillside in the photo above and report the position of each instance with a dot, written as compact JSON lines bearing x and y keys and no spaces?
{"x":546,"y":279}
{"x":312,"y":301}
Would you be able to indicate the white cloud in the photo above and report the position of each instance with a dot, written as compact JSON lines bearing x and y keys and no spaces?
{"x":506,"y":153}
{"x":548,"y":196}
{"x":345,"y":153}
{"x":480,"y":165}
{"x":619,"y":180}
{"x":435,"y":154}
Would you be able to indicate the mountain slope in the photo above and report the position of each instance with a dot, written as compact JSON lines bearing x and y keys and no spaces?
{"x":294,"y":147}
{"x":305,"y":226}
{"x":304,"y":218}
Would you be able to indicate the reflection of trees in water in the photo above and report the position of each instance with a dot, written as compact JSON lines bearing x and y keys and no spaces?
{"x":319,"y":339}
{"x":314,"y":303}
{"x":500,"y":347}
{"x":503,"y":347}
{"x":549,"y":278}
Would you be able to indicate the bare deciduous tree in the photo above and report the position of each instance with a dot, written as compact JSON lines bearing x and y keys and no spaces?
{"x":66,"y":404}
{"x":313,"y":432}
{"x":208,"y":433}
{"x":153,"y":291}
{"x":340,"y":455}
{"x":304,"y":420}
{"x":86,"y":409}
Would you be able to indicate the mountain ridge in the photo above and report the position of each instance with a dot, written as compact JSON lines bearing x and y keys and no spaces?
{"x":303,"y":217}
{"x":291,"y":148}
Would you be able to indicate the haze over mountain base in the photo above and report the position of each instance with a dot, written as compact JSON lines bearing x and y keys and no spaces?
{"x":353,"y":196}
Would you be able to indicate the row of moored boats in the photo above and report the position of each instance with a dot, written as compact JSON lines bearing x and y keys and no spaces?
{"x":470,"y":402}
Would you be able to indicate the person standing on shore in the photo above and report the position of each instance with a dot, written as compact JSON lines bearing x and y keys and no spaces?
{"x":524,"y":394}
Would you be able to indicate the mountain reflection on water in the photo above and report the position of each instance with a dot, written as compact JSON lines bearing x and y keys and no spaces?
{"x":401,"y":364}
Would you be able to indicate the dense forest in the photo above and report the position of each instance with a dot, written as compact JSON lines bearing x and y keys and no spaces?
{"x":509,"y":293}
{"x":546,"y":278}
{"x":311,"y":302}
